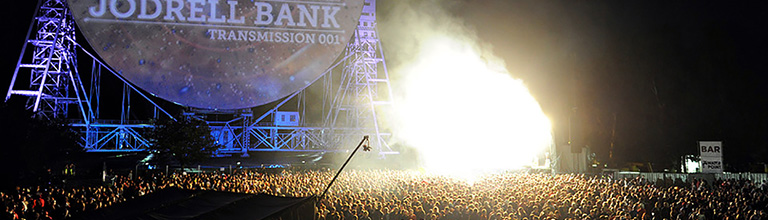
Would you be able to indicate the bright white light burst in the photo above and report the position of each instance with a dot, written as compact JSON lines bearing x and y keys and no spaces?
{"x":467,"y":115}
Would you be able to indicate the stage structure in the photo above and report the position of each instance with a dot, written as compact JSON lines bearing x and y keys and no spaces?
{"x":51,"y":80}
{"x":355,"y":87}
{"x":55,"y":84}
{"x":355,"y":90}
{"x":363,"y":93}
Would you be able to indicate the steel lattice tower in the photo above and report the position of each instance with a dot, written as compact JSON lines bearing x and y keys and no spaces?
{"x":55,"y":83}
{"x":363,"y":91}
{"x":352,"y":101}
{"x":53,"y":86}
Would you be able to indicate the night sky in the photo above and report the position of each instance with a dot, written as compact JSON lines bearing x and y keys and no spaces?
{"x":673,"y":73}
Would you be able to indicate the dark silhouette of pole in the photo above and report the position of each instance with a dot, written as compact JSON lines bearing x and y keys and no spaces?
{"x":366,"y":148}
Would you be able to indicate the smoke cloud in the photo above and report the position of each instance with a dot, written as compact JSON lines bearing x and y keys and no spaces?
{"x":456,"y":103}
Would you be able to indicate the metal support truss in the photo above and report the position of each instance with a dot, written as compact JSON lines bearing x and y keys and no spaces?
{"x":114,"y":135}
{"x":348,"y":113}
{"x":363,"y":92}
{"x":52,"y":87}
{"x":54,"y":83}
{"x":228,"y":128}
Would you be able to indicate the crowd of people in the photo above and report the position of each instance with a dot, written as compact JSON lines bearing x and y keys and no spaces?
{"x":56,"y":202}
{"x":395,"y":194}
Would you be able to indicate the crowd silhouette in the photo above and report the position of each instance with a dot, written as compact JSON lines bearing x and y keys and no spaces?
{"x":396,"y":194}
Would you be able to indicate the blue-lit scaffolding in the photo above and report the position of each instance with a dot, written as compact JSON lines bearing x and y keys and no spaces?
{"x":52,"y":85}
{"x":355,"y":90}
{"x":55,"y":83}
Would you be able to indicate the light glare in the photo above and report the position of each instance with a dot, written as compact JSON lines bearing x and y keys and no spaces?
{"x":465,"y":114}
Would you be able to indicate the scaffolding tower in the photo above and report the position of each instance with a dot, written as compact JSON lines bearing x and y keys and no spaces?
{"x":55,"y":84}
{"x":52,"y":85}
{"x":363,"y":93}
{"x":351,"y":101}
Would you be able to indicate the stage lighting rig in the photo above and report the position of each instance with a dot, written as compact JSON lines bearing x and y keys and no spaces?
{"x":366,"y":145}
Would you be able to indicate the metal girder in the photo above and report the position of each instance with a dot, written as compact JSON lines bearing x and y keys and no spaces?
{"x":349,"y":113}
{"x":51,"y":87}
{"x":114,"y":137}
{"x":355,"y":107}
{"x":352,"y":109}
{"x":55,"y":84}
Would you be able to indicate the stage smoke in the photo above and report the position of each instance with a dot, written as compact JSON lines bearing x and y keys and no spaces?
{"x":457,"y":104}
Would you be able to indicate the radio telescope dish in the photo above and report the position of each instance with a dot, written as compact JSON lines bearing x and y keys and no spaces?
{"x":218,"y":54}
